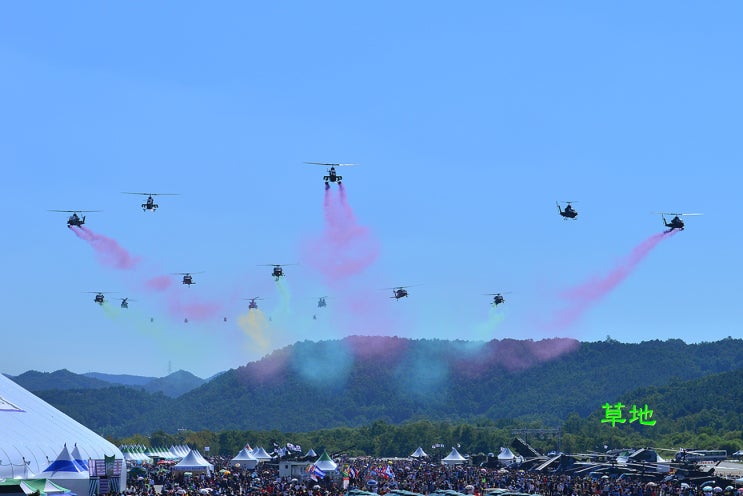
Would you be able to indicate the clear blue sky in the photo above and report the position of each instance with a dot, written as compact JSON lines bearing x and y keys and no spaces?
{"x":469,"y":122}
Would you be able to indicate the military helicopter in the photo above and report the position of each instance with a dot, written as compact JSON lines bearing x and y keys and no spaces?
{"x":569,"y":212}
{"x":321,"y":302}
{"x":497,"y":298}
{"x":125,"y":302}
{"x":253,"y":305}
{"x":332,"y":176}
{"x":99,"y":296}
{"x":278,"y":271}
{"x":399,"y":292}
{"x":150,"y":204}
{"x":75,"y":220}
{"x":676,"y":222}
{"x":187,"y":277}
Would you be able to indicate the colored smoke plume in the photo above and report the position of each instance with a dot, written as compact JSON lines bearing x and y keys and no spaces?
{"x":159,"y":283}
{"x":255,"y":325}
{"x":110,"y":253}
{"x":586,"y":295}
{"x":193,"y":310}
{"x":345,"y":248}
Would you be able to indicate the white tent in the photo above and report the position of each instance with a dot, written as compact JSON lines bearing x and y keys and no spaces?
{"x":193,"y":463}
{"x":453,"y":458}
{"x":506,"y":457}
{"x":33,"y":433}
{"x":261,"y":455}
{"x":325,"y":463}
{"x":419,"y":453}
{"x":79,"y":458}
{"x":310,"y":454}
{"x":244,"y":460}
{"x":66,"y":471}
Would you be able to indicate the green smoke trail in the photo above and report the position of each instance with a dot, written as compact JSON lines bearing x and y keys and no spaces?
{"x":485,"y":330}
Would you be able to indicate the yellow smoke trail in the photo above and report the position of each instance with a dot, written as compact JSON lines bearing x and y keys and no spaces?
{"x":255,"y":326}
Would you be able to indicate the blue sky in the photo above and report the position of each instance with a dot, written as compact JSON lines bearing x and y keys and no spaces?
{"x":469,"y":122}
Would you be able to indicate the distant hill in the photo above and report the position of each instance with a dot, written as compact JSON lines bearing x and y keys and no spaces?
{"x":121,"y":379}
{"x":358,"y":380}
{"x":173,"y":385}
{"x":61,"y":379}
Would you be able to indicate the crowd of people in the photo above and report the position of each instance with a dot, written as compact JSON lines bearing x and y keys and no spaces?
{"x":384,"y":476}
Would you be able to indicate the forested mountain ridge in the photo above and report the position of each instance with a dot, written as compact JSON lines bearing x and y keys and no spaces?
{"x":359,"y":380}
{"x":173,"y":385}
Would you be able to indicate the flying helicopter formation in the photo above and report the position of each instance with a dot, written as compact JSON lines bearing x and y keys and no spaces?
{"x":565,"y":209}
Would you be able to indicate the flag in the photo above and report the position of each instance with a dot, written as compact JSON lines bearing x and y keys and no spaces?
{"x":352,"y":472}
{"x":317,"y":473}
{"x":389,"y":473}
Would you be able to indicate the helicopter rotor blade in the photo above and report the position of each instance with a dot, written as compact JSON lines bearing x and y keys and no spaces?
{"x":150,"y":194}
{"x":327,"y":164}
{"x":75,"y":211}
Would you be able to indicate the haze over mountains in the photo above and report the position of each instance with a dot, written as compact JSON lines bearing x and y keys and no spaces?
{"x":357,"y":380}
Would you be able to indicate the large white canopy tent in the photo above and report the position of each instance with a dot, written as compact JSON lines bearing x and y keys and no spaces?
{"x":419,"y":453}
{"x":193,"y":462}
{"x":454,"y":458}
{"x":244,"y":460}
{"x":34,"y":434}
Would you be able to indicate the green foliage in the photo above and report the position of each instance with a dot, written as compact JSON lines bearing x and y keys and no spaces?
{"x":401,"y":393}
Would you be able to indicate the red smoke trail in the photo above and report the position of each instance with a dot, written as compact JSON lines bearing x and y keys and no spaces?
{"x":109,"y":252}
{"x":589,"y":293}
{"x":345,"y":248}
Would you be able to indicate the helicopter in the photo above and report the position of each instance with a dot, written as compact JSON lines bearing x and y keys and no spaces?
{"x":75,"y":220}
{"x":569,"y":212}
{"x":332,"y":176}
{"x":253,"y":305}
{"x":99,"y":296}
{"x":125,"y":302}
{"x":278,"y":271}
{"x":321,"y":302}
{"x":399,"y":292}
{"x":497,"y":298}
{"x":150,"y":204}
{"x":676,"y":222}
{"x":187,"y":277}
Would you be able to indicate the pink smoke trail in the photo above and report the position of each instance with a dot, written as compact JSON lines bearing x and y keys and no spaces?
{"x":345,"y":247}
{"x":109,"y":252}
{"x":193,"y":310}
{"x":589,"y":293}
{"x":159,"y":283}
